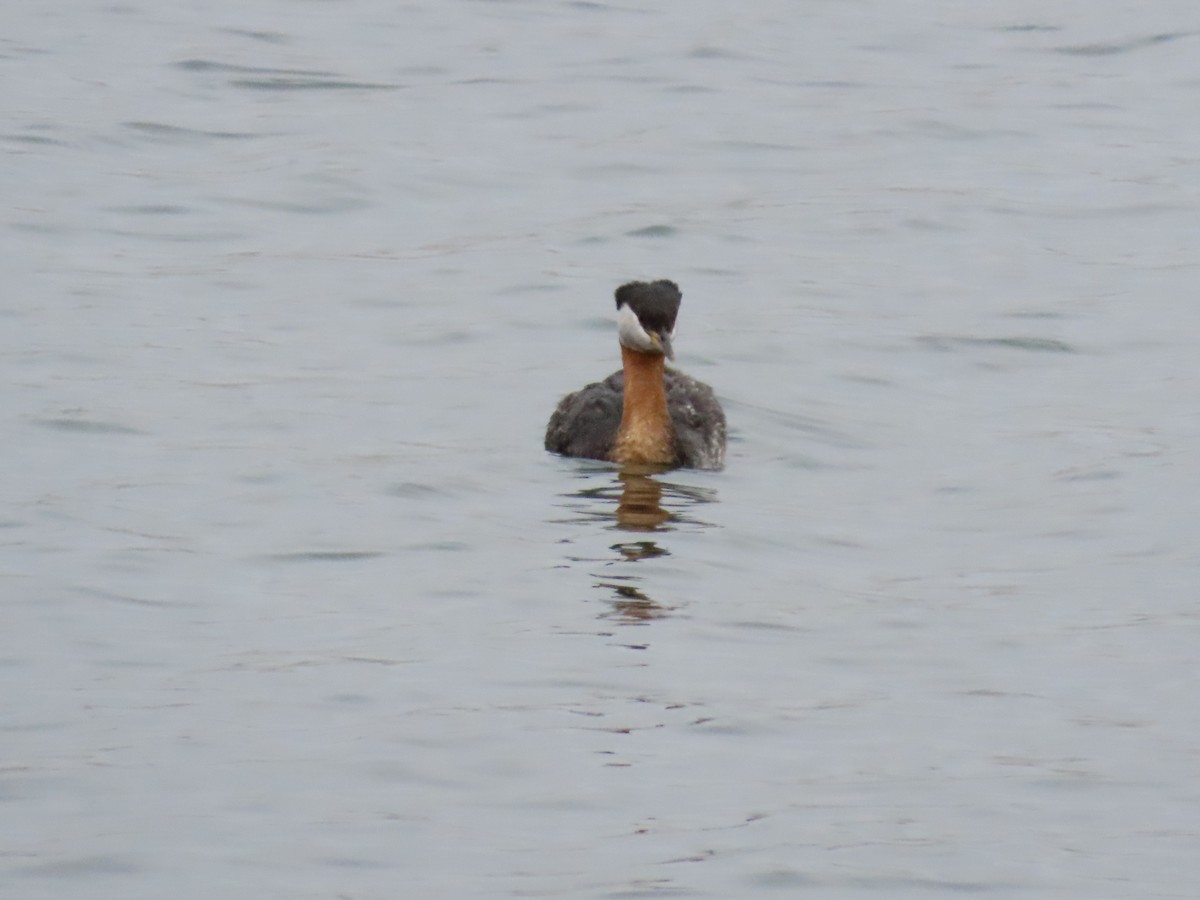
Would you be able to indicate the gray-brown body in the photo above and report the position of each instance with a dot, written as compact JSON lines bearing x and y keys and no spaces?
{"x":586,"y":422}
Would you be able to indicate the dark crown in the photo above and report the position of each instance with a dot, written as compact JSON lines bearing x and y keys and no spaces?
{"x":656,"y":304}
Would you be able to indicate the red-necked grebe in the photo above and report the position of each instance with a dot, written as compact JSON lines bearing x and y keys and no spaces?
{"x":645,"y":413}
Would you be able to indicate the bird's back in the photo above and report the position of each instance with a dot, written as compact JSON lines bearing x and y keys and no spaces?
{"x":585,"y":423}
{"x":698,"y":420}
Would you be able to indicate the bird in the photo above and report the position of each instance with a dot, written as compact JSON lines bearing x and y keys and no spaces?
{"x":644,"y":413}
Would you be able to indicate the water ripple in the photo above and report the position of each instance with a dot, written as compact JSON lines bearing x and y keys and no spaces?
{"x":176,"y":132}
{"x":267,"y":78}
{"x":207,"y":65}
{"x":1029,"y":26}
{"x":1115,"y":47}
{"x":86,"y":426}
{"x":267,"y":37}
{"x":654,"y":231}
{"x":326,"y":556}
{"x":1018,"y":342}
{"x":80,"y":866}
{"x":281,"y":83}
{"x":35,"y":139}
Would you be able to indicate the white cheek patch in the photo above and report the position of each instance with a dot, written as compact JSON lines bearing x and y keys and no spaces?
{"x":630,"y":332}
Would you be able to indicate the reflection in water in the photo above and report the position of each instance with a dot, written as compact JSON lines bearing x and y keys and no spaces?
{"x":640,"y":508}
{"x":631,"y":605}
{"x":635,"y":499}
{"x":636,"y":550}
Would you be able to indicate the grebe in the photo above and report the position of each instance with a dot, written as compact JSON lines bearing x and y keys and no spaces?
{"x":644,"y":413}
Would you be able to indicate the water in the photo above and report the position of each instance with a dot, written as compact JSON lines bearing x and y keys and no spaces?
{"x":294,"y":603}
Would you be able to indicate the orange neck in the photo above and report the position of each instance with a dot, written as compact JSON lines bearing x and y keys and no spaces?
{"x":646,"y":434}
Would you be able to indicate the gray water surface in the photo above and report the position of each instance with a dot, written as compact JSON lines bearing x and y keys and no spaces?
{"x":295,"y":605}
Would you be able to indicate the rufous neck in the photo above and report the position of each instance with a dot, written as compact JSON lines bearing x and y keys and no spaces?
{"x":646,"y":434}
{"x":645,"y":393}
